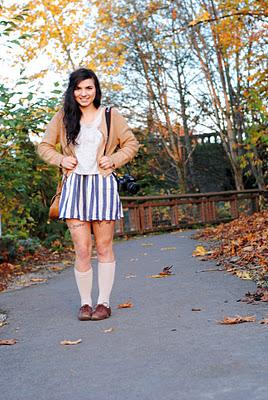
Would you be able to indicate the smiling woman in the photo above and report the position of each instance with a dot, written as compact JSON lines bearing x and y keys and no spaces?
{"x":89,"y":198}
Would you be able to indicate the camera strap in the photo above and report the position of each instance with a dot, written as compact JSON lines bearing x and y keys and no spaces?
{"x":108,"y":124}
{"x":108,"y":111}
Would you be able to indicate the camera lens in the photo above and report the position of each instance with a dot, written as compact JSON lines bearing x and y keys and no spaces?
{"x":133,"y":187}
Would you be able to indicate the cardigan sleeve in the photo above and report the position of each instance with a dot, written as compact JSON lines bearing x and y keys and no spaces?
{"x":47,"y":148}
{"x":128,"y":144}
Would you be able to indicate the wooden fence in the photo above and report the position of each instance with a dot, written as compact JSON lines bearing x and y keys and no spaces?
{"x":158,"y":213}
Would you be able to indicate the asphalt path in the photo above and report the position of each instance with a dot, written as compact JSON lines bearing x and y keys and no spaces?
{"x":158,"y":349}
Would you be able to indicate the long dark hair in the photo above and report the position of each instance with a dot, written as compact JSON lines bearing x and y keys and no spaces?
{"x":72,"y":112}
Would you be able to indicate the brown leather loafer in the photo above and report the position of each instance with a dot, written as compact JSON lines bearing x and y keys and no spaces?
{"x":101,"y":312}
{"x":85,"y":313}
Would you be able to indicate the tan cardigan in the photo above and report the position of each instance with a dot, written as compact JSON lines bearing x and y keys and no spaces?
{"x":120,"y":135}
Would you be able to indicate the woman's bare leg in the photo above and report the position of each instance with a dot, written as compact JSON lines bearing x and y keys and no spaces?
{"x":81,"y":237}
{"x":104,"y":234}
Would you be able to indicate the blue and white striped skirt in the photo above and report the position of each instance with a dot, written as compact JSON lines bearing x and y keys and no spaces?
{"x":90,"y":198}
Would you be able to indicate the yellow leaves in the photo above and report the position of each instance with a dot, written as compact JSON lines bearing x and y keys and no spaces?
{"x":38,"y":280}
{"x":204,"y":17}
{"x":51,"y":24}
{"x":199,"y":251}
{"x":243,"y":275}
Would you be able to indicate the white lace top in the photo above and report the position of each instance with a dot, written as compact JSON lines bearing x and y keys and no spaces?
{"x":88,"y":141}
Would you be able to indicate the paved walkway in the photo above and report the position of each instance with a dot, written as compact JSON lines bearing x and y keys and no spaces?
{"x":159,"y":350}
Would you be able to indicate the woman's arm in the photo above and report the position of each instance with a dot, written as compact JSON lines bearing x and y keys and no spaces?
{"x":47,"y":148}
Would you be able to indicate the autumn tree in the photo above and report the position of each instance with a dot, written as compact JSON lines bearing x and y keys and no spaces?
{"x":157,"y":75}
{"x":59,"y":34}
{"x":192,"y":61}
{"x":228,"y":39}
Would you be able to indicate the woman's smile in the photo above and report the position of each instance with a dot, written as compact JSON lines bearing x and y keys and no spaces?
{"x":85,"y":92}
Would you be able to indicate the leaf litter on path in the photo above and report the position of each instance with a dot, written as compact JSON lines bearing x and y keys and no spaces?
{"x":200,"y":251}
{"x":3,"y":319}
{"x":7,"y":342}
{"x":109,"y":330}
{"x":125,"y":305}
{"x":237,"y":320}
{"x":261,"y":295}
{"x":38,"y":279}
{"x":240,"y":246}
{"x":70,"y":342}
{"x":167,"y":271}
{"x":130,"y":275}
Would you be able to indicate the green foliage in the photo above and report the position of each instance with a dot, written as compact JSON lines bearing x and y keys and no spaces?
{"x":26,"y":183}
{"x":255,"y":145}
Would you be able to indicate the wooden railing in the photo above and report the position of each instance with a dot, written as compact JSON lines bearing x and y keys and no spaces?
{"x":167,"y":212}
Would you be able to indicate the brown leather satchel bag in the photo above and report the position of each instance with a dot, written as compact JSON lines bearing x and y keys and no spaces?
{"x":55,"y":201}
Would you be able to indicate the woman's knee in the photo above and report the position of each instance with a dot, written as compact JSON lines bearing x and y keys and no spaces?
{"x":104,"y":248}
{"x":83,"y":251}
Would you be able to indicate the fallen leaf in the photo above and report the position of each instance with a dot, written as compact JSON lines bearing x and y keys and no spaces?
{"x":158,"y":276}
{"x":125,"y":305}
{"x":264,"y":321}
{"x":237,"y":320}
{"x":147,"y":244}
{"x":210,"y":270}
{"x":248,"y":248}
{"x":109,"y":330}
{"x":199,"y":251}
{"x":130,"y":276}
{"x":168,"y":248}
{"x":265,"y":297}
{"x":67,"y":342}
{"x":167,"y":270}
{"x":243,"y":275}
{"x":38,"y":279}
{"x":56,"y":268}
{"x":7,"y":342}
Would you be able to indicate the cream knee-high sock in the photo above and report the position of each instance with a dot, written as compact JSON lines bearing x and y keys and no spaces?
{"x":106,"y":272}
{"x":84,"y":284}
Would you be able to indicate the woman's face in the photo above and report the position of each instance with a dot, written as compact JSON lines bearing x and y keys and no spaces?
{"x":85,"y":92}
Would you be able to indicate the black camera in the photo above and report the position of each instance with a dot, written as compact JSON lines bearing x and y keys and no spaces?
{"x":127,"y":183}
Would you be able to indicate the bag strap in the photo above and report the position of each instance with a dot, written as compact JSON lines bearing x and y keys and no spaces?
{"x":108,"y":124}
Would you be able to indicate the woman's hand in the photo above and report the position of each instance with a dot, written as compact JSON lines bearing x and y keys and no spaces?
{"x":106,"y":162}
{"x":68,"y":162}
